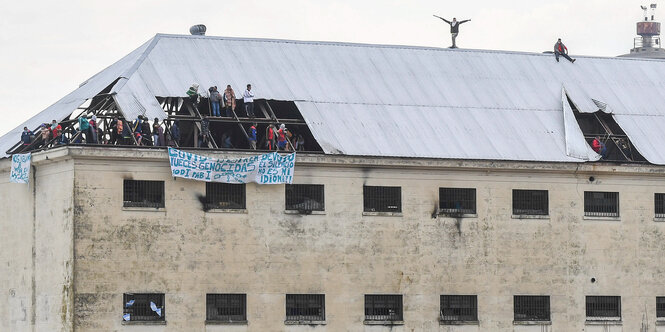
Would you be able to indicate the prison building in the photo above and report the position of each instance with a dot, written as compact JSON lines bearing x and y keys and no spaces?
{"x":439,"y":190}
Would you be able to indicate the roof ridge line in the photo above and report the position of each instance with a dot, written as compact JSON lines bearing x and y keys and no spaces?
{"x":124,"y":77}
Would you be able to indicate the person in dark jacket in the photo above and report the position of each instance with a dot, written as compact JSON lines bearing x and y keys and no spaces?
{"x":146,"y":133}
{"x":561,"y":49}
{"x":454,"y":27}
{"x":26,"y":136}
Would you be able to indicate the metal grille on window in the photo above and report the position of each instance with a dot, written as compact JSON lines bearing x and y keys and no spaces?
{"x":660,"y":205}
{"x":305,"y":307}
{"x":225,"y":196}
{"x":457,"y":200}
{"x":305,"y":197}
{"x":459,"y":308}
{"x":138,"y":193}
{"x":382,"y":199}
{"x":603,"y":307}
{"x":601,"y":204}
{"x":530,"y":202}
{"x":143,"y":307}
{"x":226,"y":307}
{"x":528,"y":308}
{"x":660,"y":306}
{"x":383,"y":307}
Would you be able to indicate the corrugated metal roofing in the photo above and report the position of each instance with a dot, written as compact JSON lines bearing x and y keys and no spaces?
{"x":404,"y":101}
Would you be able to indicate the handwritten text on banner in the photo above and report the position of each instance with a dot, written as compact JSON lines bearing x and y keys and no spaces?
{"x":269,"y":168}
{"x":20,"y":171}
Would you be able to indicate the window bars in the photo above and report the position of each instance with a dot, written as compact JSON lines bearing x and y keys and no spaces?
{"x":143,"y":307}
{"x":140,"y":193}
{"x":305,"y":307}
{"x":226,"y":307}
{"x":601,"y":204}
{"x":659,"y":205}
{"x":660,"y":306}
{"x":456,"y":308}
{"x":531,"y":308}
{"x":603,"y":307}
{"x":225,"y":196}
{"x":457,"y":200}
{"x":530,"y":202}
{"x":383,"y":308}
{"x":305,"y":197}
{"x":382,"y":199}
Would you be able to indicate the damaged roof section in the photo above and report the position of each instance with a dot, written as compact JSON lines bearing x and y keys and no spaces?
{"x":400,"y":101}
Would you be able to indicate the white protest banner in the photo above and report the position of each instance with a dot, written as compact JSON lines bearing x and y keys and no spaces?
{"x":20,"y":172}
{"x":269,"y":168}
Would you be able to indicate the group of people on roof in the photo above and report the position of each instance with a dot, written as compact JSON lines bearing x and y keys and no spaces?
{"x":225,"y":99}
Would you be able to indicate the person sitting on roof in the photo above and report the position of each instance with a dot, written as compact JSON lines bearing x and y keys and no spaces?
{"x":454,"y":28}
{"x":599,"y":147}
{"x":26,"y":136}
{"x":561,"y":49}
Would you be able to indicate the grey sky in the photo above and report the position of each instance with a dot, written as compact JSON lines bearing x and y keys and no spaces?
{"x":49,"y":47}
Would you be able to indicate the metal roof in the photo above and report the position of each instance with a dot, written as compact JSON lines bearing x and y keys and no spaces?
{"x":402,"y":101}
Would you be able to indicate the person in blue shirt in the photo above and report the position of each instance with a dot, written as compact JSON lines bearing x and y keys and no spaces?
{"x":252,"y":136}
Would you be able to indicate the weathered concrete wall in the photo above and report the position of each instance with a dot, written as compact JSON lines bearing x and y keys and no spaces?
{"x":186,"y":252}
{"x":37,"y":248}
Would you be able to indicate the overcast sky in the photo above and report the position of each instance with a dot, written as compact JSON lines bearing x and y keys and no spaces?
{"x":50,"y":47}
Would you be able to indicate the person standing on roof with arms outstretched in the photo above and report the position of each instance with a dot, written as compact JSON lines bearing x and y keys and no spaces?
{"x":561,"y":49}
{"x":454,"y":27}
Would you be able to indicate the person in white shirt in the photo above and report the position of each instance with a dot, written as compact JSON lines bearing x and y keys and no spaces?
{"x":248,"y":100}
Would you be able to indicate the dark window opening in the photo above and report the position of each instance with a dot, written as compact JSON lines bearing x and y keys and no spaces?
{"x":455,"y":308}
{"x":457,"y":201}
{"x":143,"y":307}
{"x":305,"y":197}
{"x":530,"y":308}
{"x":601,"y":204}
{"x":383,"y":308}
{"x":530,"y":202}
{"x":138,"y":193}
{"x":225,"y":196}
{"x":603,"y":307}
{"x":226,"y":307}
{"x":660,"y":306}
{"x":382,"y":199}
{"x":305,"y":307}
{"x":659,"y":205}
{"x":618,"y":145}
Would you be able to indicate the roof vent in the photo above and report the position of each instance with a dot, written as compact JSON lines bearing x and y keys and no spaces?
{"x":198,"y":30}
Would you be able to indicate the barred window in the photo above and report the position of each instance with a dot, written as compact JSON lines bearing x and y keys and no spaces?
{"x":457,"y":200}
{"x":659,"y":205}
{"x":143,"y":307}
{"x":530,"y":202}
{"x":383,"y":308}
{"x":382,"y":199}
{"x":305,"y":307}
{"x":531,"y":308}
{"x":140,"y":193}
{"x":226,"y":307}
{"x":305,"y":197}
{"x":459,"y":308}
{"x":660,"y":306}
{"x":601,"y":204}
{"x":603,"y":307}
{"x":225,"y":196}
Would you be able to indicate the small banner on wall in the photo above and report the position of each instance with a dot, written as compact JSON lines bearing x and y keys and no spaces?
{"x":269,"y":168}
{"x":20,"y":172}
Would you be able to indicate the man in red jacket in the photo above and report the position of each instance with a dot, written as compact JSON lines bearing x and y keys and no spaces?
{"x":561,"y":49}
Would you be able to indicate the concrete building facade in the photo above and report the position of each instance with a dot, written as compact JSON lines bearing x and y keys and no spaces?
{"x":70,"y":249}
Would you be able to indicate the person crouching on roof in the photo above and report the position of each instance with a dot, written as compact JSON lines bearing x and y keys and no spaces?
{"x":193,"y":93}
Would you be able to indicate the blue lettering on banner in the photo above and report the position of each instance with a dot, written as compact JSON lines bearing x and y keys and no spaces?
{"x":269,"y":168}
{"x":20,"y":171}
